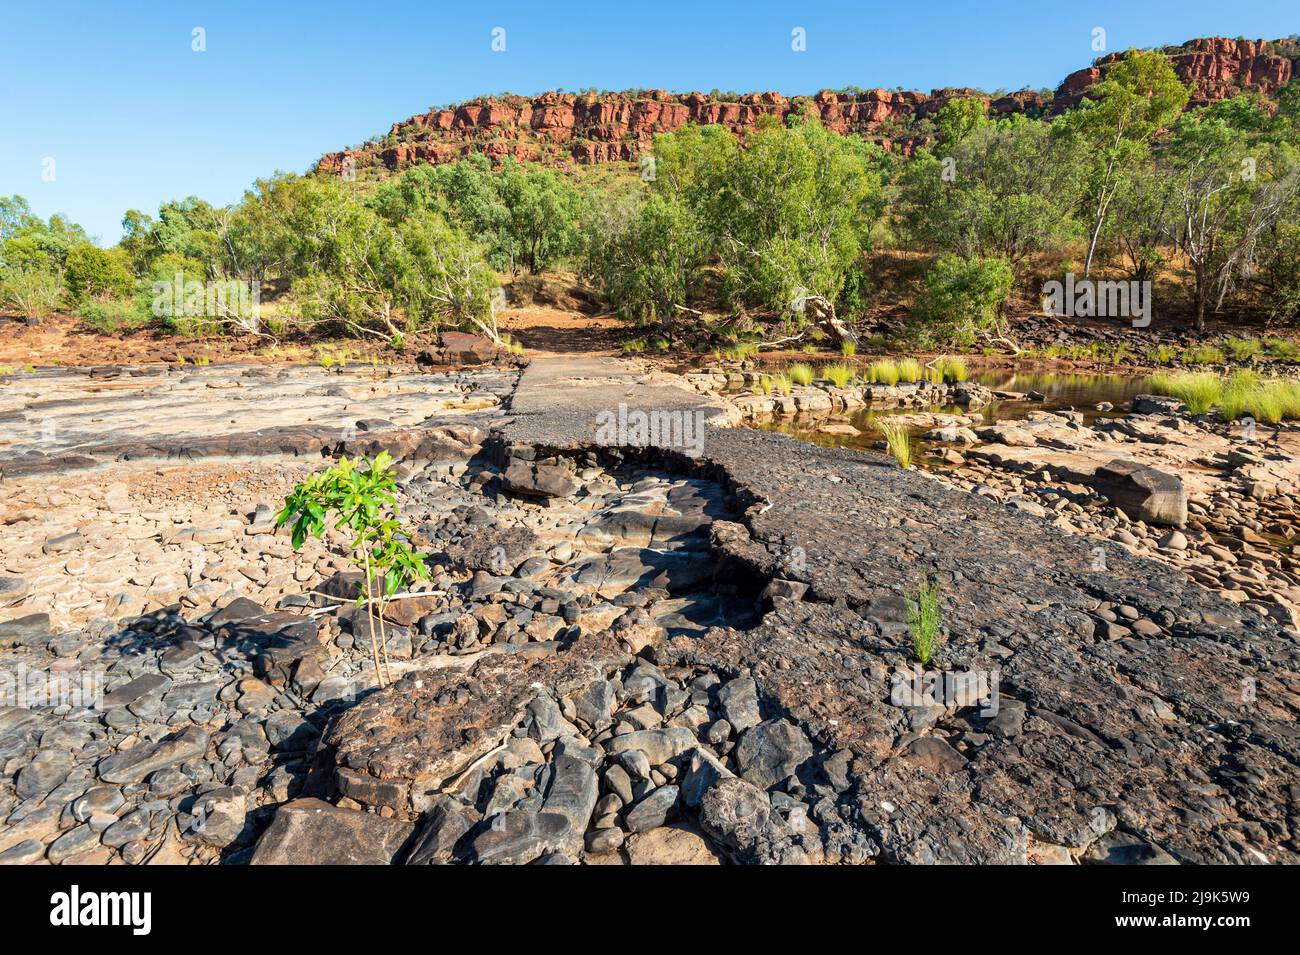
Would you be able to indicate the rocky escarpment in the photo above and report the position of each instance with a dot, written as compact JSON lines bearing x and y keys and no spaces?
{"x":557,"y":128}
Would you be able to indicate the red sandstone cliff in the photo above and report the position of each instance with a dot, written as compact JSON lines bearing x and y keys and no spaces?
{"x":556,"y":128}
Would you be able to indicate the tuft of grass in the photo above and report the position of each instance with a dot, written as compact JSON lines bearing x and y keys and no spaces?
{"x":763,"y":386}
{"x":883,"y":372}
{"x":839,"y":375}
{"x":848,"y":349}
{"x":951,"y":368}
{"x":781,"y":384}
{"x":1242,"y":349}
{"x":801,"y":373}
{"x":1235,"y":397}
{"x":900,"y":443}
{"x":1203,"y":355}
{"x":1282,"y":348}
{"x":1200,"y":391}
{"x":909,"y":369}
{"x":925,"y":621}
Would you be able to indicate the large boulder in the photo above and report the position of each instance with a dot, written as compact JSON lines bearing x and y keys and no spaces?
{"x":466,"y":349}
{"x":313,"y":832}
{"x":538,"y":480}
{"x":1142,"y":492}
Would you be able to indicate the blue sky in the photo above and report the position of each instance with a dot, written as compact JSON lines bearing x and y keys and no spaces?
{"x":131,"y":115}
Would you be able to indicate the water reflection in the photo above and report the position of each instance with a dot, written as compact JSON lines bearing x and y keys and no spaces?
{"x":1062,"y":392}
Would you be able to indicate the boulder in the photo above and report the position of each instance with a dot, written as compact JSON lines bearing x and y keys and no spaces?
{"x":770,"y":752}
{"x":538,"y":480}
{"x":313,"y":832}
{"x":1142,"y":492}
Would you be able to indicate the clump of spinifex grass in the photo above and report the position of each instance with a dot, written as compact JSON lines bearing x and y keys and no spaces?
{"x":839,"y":375}
{"x":925,"y":621}
{"x":1200,"y":391}
{"x":900,"y":444}
{"x":781,"y":384}
{"x":909,"y":369}
{"x":883,"y":372}
{"x":848,"y":349}
{"x":800,"y":373}
{"x":1234,"y":399}
{"x":951,"y":368}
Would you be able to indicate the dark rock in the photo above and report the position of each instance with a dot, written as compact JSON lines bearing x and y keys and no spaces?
{"x":135,"y":764}
{"x":1142,"y":492}
{"x":313,"y":832}
{"x":31,"y":630}
{"x":771,"y":752}
{"x":653,"y":810}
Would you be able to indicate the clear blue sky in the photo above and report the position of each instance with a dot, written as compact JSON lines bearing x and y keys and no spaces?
{"x":132,"y":116}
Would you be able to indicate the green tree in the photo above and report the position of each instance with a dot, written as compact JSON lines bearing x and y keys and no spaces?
{"x":1007,"y":190}
{"x":1136,"y":97}
{"x":92,"y":272}
{"x":1229,"y":189}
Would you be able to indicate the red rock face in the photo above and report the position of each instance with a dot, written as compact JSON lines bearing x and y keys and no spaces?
{"x":558,"y":128}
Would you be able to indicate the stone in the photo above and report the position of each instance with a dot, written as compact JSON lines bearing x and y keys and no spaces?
{"x":30,"y":851}
{"x":935,"y":755}
{"x":518,"y":837}
{"x":133,"y":765}
{"x":734,"y":813}
{"x":12,"y":590}
{"x":47,"y":769}
{"x":771,"y":752}
{"x":573,"y":792}
{"x":287,"y":730}
{"x":219,"y":817}
{"x":653,"y":810}
{"x":443,"y":826}
{"x":739,"y":703}
{"x":659,"y":745}
{"x":677,"y":844}
{"x":30,"y":630}
{"x":598,"y":841}
{"x":538,"y":480}
{"x":1125,"y":848}
{"x":1143,"y":493}
{"x":310,"y":831}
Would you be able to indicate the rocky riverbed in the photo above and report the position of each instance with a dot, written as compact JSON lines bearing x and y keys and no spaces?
{"x":628,"y":650}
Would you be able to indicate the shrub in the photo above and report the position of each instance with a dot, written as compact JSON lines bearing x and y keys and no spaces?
{"x":925,"y":621}
{"x":800,"y":373}
{"x":94,"y":272}
{"x":899,"y":441}
{"x":962,"y":298}
{"x":32,"y":293}
{"x":359,"y":492}
{"x":110,"y":315}
{"x":1200,"y":391}
{"x":1235,"y":398}
{"x":883,"y":372}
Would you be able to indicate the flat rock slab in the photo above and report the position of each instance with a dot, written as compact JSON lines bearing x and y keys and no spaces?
{"x":314,"y":832}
